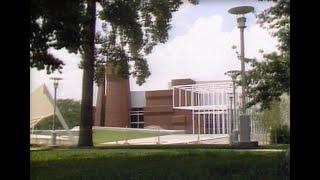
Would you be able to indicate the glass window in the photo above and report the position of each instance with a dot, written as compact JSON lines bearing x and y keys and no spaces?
{"x":136,"y":117}
{"x":140,"y":125}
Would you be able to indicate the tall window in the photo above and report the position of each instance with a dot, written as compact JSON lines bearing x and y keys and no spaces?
{"x":136,"y":118}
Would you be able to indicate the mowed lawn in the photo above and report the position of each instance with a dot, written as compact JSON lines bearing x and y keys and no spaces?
{"x":103,"y":135}
{"x":156,"y":164}
{"x":107,"y":135}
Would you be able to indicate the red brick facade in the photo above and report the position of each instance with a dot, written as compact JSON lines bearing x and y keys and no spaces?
{"x":158,"y":110}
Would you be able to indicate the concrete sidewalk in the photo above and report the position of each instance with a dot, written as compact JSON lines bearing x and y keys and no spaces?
{"x":178,"y":139}
{"x":46,"y":139}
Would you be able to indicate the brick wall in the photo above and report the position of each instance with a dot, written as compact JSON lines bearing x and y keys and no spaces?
{"x":159,"y":110}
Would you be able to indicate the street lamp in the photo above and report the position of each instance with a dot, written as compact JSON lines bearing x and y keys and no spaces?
{"x":240,"y":11}
{"x":55,"y":85}
{"x":233,"y":74}
{"x":230,"y":120}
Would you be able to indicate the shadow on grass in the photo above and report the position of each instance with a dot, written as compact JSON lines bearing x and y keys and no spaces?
{"x":156,"y":164}
{"x":167,"y":146}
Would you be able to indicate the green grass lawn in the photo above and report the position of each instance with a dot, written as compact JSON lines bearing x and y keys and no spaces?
{"x":156,"y":164}
{"x":103,"y":135}
{"x":106,"y":135}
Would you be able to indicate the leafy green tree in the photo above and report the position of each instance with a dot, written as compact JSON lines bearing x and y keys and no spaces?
{"x":70,"y":110}
{"x":54,"y":24}
{"x":132,"y":28}
{"x":274,"y":120}
{"x":269,"y":78}
{"x":271,"y":117}
{"x":285,"y":109}
{"x":280,"y":135}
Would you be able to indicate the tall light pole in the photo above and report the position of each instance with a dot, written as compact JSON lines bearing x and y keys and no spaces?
{"x":55,"y":85}
{"x":240,"y":11}
{"x":234,"y":74}
{"x":230,"y":120}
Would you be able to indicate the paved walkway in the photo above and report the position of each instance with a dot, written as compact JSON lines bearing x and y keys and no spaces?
{"x":46,"y":139}
{"x":178,"y":139}
{"x":257,"y":150}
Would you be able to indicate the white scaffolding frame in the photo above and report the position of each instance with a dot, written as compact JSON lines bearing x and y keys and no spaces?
{"x":209,"y":104}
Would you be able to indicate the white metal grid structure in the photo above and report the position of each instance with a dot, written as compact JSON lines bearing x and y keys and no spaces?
{"x":258,"y":130}
{"x":136,"y":117}
{"x":210,"y":105}
{"x":211,"y":110}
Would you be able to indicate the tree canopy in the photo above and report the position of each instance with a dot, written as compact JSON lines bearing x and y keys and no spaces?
{"x":54,"y":24}
{"x":131,"y":29}
{"x":269,"y":78}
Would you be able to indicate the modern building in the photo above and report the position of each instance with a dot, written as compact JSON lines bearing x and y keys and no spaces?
{"x":187,"y":104}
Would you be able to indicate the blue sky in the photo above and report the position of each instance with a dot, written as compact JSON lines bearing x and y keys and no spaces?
{"x":199,"y":47}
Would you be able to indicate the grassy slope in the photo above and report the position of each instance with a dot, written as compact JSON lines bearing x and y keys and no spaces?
{"x":156,"y":164}
{"x":105,"y":135}
{"x":101,"y":135}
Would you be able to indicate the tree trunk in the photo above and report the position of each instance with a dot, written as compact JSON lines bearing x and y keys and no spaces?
{"x":86,"y":120}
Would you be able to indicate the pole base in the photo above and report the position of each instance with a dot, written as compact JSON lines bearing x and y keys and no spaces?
{"x":54,"y":138}
{"x":244,"y":128}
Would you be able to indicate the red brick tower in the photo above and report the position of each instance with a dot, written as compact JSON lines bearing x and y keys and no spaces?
{"x":117,"y":100}
{"x":99,"y":117}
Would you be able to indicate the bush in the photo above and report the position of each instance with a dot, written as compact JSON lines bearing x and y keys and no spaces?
{"x":280,"y":135}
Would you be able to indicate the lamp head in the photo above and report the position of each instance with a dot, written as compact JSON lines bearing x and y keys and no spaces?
{"x":55,"y":81}
{"x":241,"y":10}
{"x":233,"y":74}
{"x":56,"y":78}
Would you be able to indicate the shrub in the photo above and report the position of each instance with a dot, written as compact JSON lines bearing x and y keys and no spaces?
{"x":280,"y":135}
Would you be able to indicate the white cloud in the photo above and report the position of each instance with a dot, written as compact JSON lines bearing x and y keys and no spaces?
{"x":203,"y":53}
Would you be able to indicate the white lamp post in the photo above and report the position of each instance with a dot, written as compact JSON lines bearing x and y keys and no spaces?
{"x":240,"y":11}
{"x":55,"y":85}
{"x":230,"y":120}
{"x":233,"y":74}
